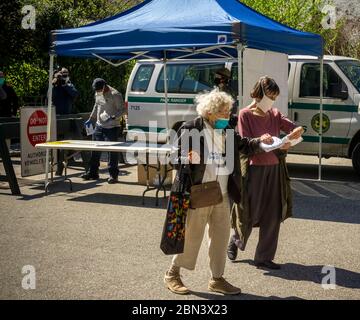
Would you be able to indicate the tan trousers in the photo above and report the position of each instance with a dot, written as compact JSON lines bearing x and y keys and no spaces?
{"x":218,"y":219}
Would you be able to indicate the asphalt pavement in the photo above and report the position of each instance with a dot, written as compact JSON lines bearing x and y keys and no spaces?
{"x":100,"y":242}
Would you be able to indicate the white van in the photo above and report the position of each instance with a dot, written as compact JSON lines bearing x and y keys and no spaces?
{"x":341,"y":105}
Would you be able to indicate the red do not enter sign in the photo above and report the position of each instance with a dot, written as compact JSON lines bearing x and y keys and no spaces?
{"x":36,"y":127}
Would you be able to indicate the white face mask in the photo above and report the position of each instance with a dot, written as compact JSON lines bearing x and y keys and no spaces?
{"x":266,"y":103}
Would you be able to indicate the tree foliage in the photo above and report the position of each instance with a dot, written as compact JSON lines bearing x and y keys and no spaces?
{"x":24,"y":53}
{"x":307,"y":15}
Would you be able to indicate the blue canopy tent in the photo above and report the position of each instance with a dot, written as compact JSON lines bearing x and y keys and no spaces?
{"x":174,"y":25}
{"x":169,"y":29}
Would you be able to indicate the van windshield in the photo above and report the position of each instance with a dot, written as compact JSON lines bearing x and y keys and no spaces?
{"x":189,"y":77}
{"x":351,"y":69}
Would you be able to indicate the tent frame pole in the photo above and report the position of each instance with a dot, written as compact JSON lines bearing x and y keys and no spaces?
{"x":122,"y":62}
{"x":49,"y":116}
{"x":205,"y":51}
{"x":240,"y":49}
{"x":187,"y":54}
{"x":321,"y":115}
{"x":166,"y":93}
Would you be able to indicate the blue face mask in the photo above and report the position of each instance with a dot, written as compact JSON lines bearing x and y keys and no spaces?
{"x":221,"y":123}
{"x":2,"y":81}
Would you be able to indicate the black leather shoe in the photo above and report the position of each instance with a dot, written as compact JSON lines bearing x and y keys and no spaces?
{"x":112,"y":180}
{"x":232,"y":250}
{"x":268,"y":265}
{"x":89,"y":176}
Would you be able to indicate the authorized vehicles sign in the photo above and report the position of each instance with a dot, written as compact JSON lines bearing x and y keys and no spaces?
{"x":33,"y":126}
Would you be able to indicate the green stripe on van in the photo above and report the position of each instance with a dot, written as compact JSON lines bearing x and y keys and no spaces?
{"x":297,"y":105}
{"x":146,"y":129}
{"x":335,"y":140}
{"x":161,"y":100}
{"x":326,"y":107}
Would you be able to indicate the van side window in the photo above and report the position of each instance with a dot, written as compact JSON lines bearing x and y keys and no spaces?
{"x":142,"y":78}
{"x":188,"y":78}
{"x":333,"y":86}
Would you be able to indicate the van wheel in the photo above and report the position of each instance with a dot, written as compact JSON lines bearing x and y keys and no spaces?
{"x":355,"y":157}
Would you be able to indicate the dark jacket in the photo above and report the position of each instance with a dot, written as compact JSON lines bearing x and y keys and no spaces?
{"x":63,"y":98}
{"x":240,"y":212}
{"x":184,"y":144}
{"x":10,"y":105}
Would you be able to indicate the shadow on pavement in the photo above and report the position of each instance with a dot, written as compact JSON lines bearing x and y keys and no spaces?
{"x":242,"y":296}
{"x":123,"y":200}
{"x":60,"y":179}
{"x":335,"y":201}
{"x":60,"y":186}
{"x":328,"y":172}
{"x":298,"y":272}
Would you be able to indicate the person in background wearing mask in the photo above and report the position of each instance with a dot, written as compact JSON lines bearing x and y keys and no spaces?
{"x":214,"y":111}
{"x":9,"y":103}
{"x":107,"y":111}
{"x":63,"y":97}
{"x":65,"y":74}
{"x":64,"y":92}
{"x":266,"y":194}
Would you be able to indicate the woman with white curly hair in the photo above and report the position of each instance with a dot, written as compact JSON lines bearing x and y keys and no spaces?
{"x":205,"y":162}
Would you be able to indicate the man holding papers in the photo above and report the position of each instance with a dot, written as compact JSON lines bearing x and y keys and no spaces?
{"x":108,"y":108}
{"x":266,"y":192}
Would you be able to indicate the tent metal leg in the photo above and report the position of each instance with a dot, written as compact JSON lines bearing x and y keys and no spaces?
{"x":240,"y":48}
{"x":166,"y":94}
{"x":321,"y":115}
{"x":49,"y":117}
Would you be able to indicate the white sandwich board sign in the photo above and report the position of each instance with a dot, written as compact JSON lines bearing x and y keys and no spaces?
{"x":33,"y":125}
